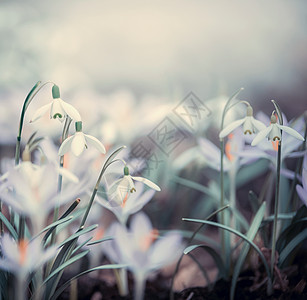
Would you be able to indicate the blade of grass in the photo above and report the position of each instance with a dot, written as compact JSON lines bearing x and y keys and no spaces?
{"x":78,"y":233}
{"x":107,"y":238}
{"x":291,"y":246}
{"x":245,"y":239}
{"x":216,"y":257}
{"x":250,"y":235}
{"x":67,"y":263}
{"x":9,"y":226}
{"x":61,"y":289}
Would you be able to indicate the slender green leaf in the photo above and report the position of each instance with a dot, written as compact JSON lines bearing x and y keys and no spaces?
{"x":53,"y":225}
{"x":67,"y":283}
{"x":9,"y":226}
{"x":194,"y":185}
{"x":81,"y":245}
{"x":107,"y":238}
{"x":66,"y":264}
{"x":216,"y":257}
{"x":25,"y":106}
{"x":245,"y":239}
{"x":63,"y":256}
{"x":202,"y":269}
{"x":241,"y":219}
{"x":78,"y":233}
{"x":289,"y":233}
{"x":250,"y":235}
{"x":112,"y":156}
{"x":291,"y":246}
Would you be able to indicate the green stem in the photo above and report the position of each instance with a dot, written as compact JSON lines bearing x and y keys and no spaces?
{"x":222,"y":204}
{"x":60,"y":180}
{"x":276,"y":210}
{"x":108,"y":162}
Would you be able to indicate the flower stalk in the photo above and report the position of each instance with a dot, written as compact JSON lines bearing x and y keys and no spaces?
{"x":276,"y":205}
{"x":225,"y":250}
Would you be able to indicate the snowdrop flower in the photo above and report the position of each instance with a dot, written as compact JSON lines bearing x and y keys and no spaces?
{"x":273,"y":132}
{"x":268,"y":149}
{"x":142,"y":250}
{"x":302,"y":189}
{"x":124,"y":187}
{"x":250,"y":124}
{"x":122,"y":209}
{"x":58,"y":108}
{"x":78,"y":142}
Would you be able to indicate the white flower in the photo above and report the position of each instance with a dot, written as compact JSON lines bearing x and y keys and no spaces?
{"x":122,"y":209}
{"x":78,"y":142}
{"x":122,"y":188}
{"x":273,"y":132}
{"x":31,"y":190}
{"x":142,"y":249}
{"x":250,"y":124}
{"x":59,"y":109}
{"x":23,"y":257}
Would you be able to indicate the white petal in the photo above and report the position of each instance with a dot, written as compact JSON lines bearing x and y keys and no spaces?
{"x":261,"y":135}
{"x":40,"y":112}
{"x":232,"y":126}
{"x":140,"y":226}
{"x":275,"y":133}
{"x":65,"y":146}
{"x":95,"y":142}
{"x":78,"y":143}
{"x":147,"y":182}
{"x":159,"y":257}
{"x":57,"y":110}
{"x":70,"y":111}
{"x":248,"y":126}
{"x":290,"y":131}
{"x":259,"y":125}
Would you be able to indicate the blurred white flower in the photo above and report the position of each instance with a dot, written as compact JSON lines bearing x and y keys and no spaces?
{"x":124,"y":187}
{"x":142,"y":249}
{"x":23,"y":257}
{"x":273,"y":132}
{"x":122,"y":209}
{"x":78,"y":142}
{"x":32,"y":190}
{"x":250,"y":124}
{"x":59,"y":109}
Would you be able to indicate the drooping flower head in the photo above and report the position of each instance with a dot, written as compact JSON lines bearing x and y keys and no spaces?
{"x":273,"y":132}
{"x":79,"y":141}
{"x":58,"y":108}
{"x":123,"y":208}
{"x":124,"y":187}
{"x":250,"y":124}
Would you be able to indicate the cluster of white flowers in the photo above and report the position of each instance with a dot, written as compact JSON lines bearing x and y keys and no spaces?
{"x":33,"y":190}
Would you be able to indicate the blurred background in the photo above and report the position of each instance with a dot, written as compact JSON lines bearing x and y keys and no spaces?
{"x":128,"y":65}
{"x":160,"y":48}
